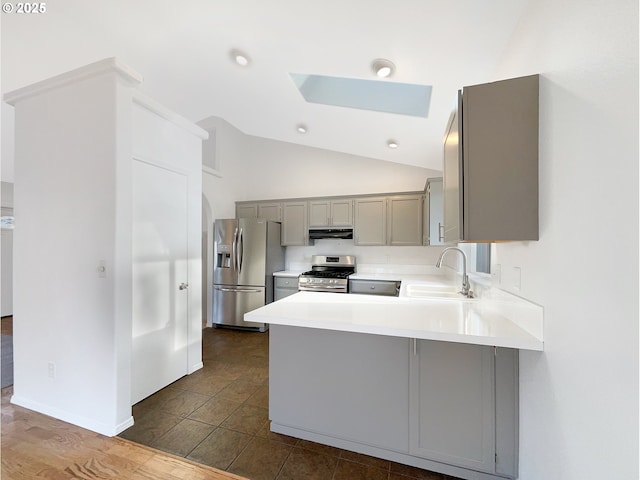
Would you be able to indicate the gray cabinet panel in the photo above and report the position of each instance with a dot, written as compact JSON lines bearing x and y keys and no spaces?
{"x":452,"y":185}
{"x":370,"y":226}
{"x":246,"y":210}
{"x":342,"y":212}
{"x":295,"y":230}
{"x":331,"y":213}
{"x":285,"y":286}
{"x":507,"y":411}
{"x":270,"y":211}
{"x":491,"y":185}
{"x":452,"y":404}
{"x":319,"y":213}
{"x":405,"y":220}
{"x":339,"y":384}
{"x":433,"y":223}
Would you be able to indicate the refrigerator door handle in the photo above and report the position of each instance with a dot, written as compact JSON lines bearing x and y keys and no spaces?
{"x":240,"y":250}
{"x":234,"y":249}
{"x":241,"y":290}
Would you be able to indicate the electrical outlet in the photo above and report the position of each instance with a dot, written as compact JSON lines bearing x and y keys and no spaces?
{"x":51,"y":370}
{"x":516,"y":278}
{"x":496,"y":276}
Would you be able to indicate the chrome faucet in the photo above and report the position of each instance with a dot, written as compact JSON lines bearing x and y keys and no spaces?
{"x":466,"y":287}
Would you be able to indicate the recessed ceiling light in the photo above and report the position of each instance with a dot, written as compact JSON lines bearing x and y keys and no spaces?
{"x":240,"y":58}
{"x":383,"y":68}
{"x":301,"y":128}
{"x":392,"y":144}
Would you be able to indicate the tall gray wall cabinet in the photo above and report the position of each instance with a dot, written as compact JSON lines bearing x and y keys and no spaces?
{"x":491,"y":163}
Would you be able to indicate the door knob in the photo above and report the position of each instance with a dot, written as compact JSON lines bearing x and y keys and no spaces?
{"x":183,"y":286}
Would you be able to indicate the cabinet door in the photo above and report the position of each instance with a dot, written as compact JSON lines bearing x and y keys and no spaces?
{"x":342,"y":384}
{"x":452,"y":186}
{"x":500,"y":160}
{"x":433,"y":226}
{"x":247,"y":210}
{"x":269,"y":211}
{"x":342,"y":213}
{"x":285,"y":286}
{"x":319,"y":213}
{"x":295,"y":230}
{"x":452,"y":404}
{"x":370,"y":221}
{"x":405,"y":220}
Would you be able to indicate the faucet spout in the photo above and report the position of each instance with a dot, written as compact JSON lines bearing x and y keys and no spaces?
{"x":466,"y":286}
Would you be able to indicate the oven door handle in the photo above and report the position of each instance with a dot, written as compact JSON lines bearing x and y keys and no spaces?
{"x":320,"y":287}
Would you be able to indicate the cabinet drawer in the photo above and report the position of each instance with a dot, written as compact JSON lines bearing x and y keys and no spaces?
{"x":286,"y":282}
{"x":374,"y":287}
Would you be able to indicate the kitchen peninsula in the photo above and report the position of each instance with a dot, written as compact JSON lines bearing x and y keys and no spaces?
{"x":429,"y":382}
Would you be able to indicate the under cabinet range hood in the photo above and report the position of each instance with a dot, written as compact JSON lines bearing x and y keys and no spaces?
{"x":338,"y":233}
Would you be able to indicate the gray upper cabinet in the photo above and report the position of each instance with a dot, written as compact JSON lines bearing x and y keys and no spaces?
{"x":246,"y":210}
{"x":491,"y":176}
{"x":267,"y":210}
{"x":270,"y":211}
{"x":433,"y":222}
{"x":404,"y":220}
{"x":295,"y":229}
{"x":370,"y":225}
{"x":331,"y":213}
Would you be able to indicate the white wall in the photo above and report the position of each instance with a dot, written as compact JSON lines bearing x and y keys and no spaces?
{"x":254,"y":168}
{"x":64,"y":313}
{"x":579,"y":398}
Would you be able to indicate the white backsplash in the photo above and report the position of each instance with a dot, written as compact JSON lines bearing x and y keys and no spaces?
{"x":406,"y":260}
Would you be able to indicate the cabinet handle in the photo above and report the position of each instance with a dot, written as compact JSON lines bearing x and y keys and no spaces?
{"x":440,"y":235}
{"x":415,"y":347}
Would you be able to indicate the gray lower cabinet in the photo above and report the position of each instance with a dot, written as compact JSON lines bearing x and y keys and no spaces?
{"x":442,"y":406}
{"x":340,"y":385}
{"x":451,"y":404}
{"x":284,"y":286}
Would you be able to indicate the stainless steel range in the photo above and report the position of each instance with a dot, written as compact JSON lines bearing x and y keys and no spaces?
{"x":328,"y":274}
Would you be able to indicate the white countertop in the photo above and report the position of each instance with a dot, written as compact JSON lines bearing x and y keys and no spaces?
{"x":287,"y":273}
{"x":500,"y":319}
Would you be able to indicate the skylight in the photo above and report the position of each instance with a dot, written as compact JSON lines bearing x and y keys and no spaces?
{"x":379,"y":96}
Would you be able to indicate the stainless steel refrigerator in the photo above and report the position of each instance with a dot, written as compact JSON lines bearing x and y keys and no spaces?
{"x":246,"y":252}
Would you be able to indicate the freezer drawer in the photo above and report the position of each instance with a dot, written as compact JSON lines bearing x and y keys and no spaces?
{"x":231,"y":302}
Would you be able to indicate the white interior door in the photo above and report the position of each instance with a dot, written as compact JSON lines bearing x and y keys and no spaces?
{"x":160,"y":301}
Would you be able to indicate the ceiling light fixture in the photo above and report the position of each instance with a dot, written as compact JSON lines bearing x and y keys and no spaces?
{"x":383,"y":68}
{"x":240,"y":58}
{"x":301,"y":128}
{"x":392,"y":144}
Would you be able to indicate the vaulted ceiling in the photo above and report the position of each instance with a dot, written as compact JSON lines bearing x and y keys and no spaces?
{"x":182,"y":49}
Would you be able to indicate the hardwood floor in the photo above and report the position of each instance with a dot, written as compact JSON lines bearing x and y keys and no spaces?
{"x":35,"y":446}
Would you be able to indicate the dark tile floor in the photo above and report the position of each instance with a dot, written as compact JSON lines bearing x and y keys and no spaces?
{"x":218,"y":416}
